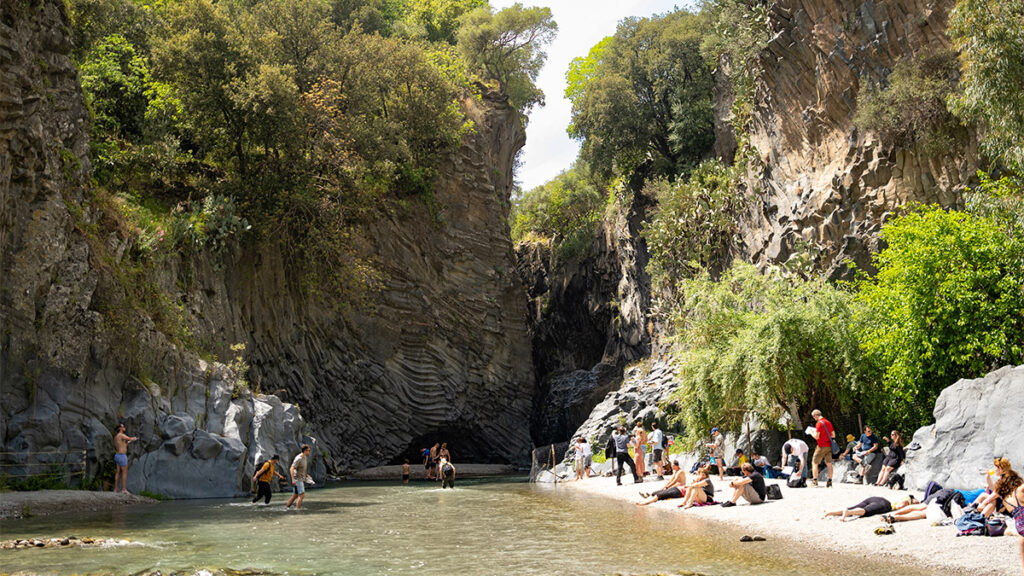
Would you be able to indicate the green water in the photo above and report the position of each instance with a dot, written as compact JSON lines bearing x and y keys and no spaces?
{"x":483,"y":527}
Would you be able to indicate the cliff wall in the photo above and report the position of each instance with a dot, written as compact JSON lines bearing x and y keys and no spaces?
{"x":821,"y":183}
{"x":441,"y":353}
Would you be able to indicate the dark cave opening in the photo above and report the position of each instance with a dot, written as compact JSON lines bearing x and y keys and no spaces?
{"x":464,"y":444}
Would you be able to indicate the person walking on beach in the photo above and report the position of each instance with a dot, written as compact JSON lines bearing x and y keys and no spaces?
{"x":298,"y":472}
{"x":622,"y":456}
{"x":717,"y":446}
{"x":263,"y":476}
{"x":639,"y":448}
{"x":121,"y":442}
{"x":825,"y":436}
{"x":658,"y":448}
{"x":751,"y":487}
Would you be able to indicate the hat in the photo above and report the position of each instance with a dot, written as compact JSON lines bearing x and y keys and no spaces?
{"x":849,"y":437}
{"x":713,"y":430}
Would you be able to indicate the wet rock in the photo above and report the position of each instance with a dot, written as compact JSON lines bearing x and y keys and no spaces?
{"x":975,"y":420}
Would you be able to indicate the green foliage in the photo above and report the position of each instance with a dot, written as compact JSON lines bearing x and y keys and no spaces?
{"x":738,"y":31}
{"x":508,"y":47}
{"x":694,"y":225}
{"x":988,"y":34}
{"x":643,"y":97}
{"x":565,"y":210}
{"x":911,"y":108}
{"x":947,"y":303}
{"x":154,"y":496}
{"x":1001,"y":200}
{"x":775,"y":345}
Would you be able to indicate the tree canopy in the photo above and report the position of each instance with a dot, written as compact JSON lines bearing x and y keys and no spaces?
{"x":643,"y":97}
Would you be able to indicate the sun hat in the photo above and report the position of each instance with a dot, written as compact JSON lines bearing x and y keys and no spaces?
{"x":849,"y":437}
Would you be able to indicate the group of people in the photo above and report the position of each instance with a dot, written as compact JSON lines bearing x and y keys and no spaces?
{"x":617,"y":450}
{"x":437,"y":463}
{"x":265,"y":472}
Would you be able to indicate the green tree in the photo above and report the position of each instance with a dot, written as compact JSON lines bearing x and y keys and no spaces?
{"x":438,"y":19}
{"x":643,"y":98}
{"x":988,"y":35}
{"x":694,"y":225}
{"x":565,"y":210}
{"x":947,"y":303}
{"x":508,"y":47}
{"x":775,"y":345}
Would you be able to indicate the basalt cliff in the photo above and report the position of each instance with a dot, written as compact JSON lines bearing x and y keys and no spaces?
{"x":440,"y":354}
{"x":817,"y":188}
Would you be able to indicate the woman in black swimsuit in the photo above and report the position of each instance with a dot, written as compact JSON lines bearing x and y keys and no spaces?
{"x":872,"y":506}
{"x":893,"y":459}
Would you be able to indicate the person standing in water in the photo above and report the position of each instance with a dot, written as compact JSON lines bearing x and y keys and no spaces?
{"x":447,"y":474}
{"x":298,"y":472}
{"x":263,"y":476}
{"x":432,"y":473}
{"x":405,"y":472}
{"x":121,"y":442}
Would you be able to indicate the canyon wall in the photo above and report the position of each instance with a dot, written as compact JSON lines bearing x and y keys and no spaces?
{"x":441,"y":353}
{"x":821,"y":185}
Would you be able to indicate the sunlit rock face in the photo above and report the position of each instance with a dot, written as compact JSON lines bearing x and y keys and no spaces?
{"x":821,"y":184}
{"x":440,"y":354}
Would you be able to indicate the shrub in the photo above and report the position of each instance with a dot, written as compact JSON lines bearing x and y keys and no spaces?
{"x":565,"y":210}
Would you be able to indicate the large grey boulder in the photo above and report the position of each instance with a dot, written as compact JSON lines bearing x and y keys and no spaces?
{"x":975,"y":421}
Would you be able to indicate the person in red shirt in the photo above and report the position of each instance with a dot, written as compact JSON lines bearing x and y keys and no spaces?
{"x":823,"y":433}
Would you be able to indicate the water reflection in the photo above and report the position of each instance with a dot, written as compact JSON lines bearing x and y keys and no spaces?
{"x":493,"y":527}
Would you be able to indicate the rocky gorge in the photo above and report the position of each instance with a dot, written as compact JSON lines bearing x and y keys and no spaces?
{"x":442,"y":354}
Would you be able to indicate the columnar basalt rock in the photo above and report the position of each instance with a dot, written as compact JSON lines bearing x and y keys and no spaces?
{"x":441,"y":354}
{"x":821,"y":185}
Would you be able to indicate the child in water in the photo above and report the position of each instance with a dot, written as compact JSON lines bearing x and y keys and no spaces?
{"x":405,"y":472}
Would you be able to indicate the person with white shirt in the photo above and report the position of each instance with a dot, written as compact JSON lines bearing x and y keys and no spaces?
{"x":795,"y":448}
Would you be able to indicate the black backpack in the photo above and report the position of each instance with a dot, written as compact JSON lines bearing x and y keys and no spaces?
{"x":609,"y":448}
{"x":773,"y":492}
{"x":795,"y":481}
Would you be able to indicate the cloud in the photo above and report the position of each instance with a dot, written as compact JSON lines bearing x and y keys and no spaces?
{"x":581,"y":24}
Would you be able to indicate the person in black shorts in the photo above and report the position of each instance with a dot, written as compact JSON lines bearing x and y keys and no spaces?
{"x":872,"y":506}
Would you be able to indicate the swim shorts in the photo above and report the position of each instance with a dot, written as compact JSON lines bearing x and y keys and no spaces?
{"x":121,"y":459}
{"x":300,"y":487}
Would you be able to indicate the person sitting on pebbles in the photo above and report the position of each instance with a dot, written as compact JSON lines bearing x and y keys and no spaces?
{"x":751,"y":487}
{"x":673,"y":488}
{"x":701,"y":490}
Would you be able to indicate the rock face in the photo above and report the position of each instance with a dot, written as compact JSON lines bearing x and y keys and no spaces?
{"x":821,"y":183}
{"x":975,"y":421}
{"x":442,"y":354}
{"x":587,"y":319}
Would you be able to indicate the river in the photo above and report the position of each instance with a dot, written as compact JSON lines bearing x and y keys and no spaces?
{"x":481,"y":527}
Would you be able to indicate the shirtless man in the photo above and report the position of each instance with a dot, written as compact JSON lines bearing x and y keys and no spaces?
{"x":121,"y":442}
{"x":673,"y":488}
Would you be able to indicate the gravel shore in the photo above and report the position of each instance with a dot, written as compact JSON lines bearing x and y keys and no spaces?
{"x":45,"y":502}
{"x":798,"y":517}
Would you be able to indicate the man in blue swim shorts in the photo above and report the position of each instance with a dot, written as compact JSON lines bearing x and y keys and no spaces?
{"x":121,"y":442}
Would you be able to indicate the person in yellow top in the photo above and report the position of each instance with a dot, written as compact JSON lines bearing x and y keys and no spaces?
{"x":263,"y":476}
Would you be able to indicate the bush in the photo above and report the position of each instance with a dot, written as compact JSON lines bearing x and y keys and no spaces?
{"x":911,"y":107}
{"x":947,"y":303}
{"x":775,"y":345}
{"x":564,"y":210}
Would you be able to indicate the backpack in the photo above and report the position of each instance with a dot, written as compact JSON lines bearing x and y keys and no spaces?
{"x":995,"y":526}
{"x":609,"y":448}
{"x":773,"y":492}
{"x":894,"y":480}
{"x":795,"y":481}
{"x":930,"y":489}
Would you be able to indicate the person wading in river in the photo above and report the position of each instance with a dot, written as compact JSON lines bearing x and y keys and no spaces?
{"x":298,"y":472}
{"x":121,"y":442}
{"x":263,"y":476}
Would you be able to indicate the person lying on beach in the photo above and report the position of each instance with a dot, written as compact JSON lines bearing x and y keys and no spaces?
{"x":871,"y":506}
{"x":701,"y":490}
{"x":673,"y":488}
{"x":751,"y":487}
{"x":918,"y":510}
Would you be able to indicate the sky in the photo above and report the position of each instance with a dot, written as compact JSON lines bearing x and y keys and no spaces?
{"x":581,"y":24}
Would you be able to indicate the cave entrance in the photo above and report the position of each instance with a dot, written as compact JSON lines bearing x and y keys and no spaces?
{"x":465,"y":445}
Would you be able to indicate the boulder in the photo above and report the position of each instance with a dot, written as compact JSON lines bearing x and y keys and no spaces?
{"x":975,"y":420}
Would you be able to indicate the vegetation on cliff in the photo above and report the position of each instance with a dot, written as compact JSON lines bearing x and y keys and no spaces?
{"x":298,"y":121}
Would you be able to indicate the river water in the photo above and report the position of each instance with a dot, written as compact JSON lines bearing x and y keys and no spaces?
{"x":481,"y":527}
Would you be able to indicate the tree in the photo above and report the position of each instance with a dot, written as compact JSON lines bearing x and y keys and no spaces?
{"x":566,"y":209}
{"x":775,"y":345}
{"x":988,"y":35}
{"x":947,"y":303}
{"x":643,"y":97}
{"x":507,"y":47}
